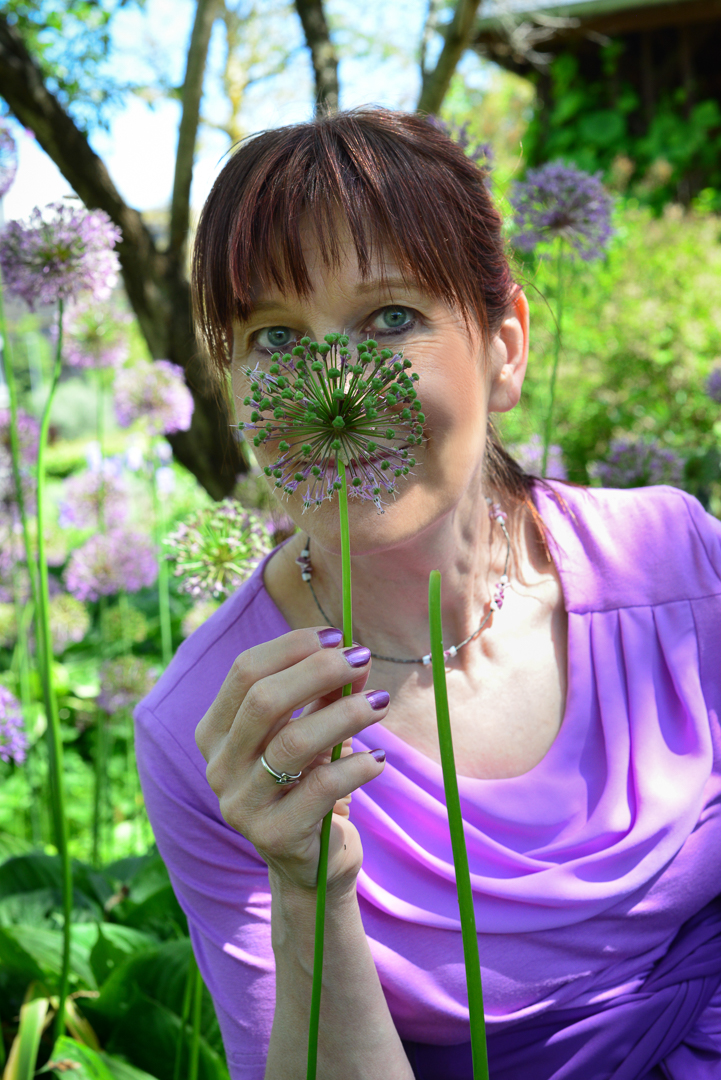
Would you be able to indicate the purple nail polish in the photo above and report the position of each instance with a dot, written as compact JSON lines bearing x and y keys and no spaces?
{"x":378,"y":699}
{"x":379,"y":755}
{"x":330,"y":638}
{"x":357,"y":655}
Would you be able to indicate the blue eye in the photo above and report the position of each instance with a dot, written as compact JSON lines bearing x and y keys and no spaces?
{"x":276,"y":337}
{"x":394,"y":318}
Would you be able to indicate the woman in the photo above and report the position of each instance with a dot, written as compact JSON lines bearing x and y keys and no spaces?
{"x":585,"y":712}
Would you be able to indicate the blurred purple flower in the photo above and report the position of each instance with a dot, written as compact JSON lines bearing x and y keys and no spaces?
{"x":638,"y":463}
{"x":84,"y":494}
{"x":558,"y":200}
{"x":155,"y":393}
{"x":529,"y":456}
{"x":113,"y":562}
{"x":165,"y":480}
{"x":8,"y":160}
{"x":69,"y":621}
{"x":28,"y":432}
{"x":480,"y":153}
{"x":713,"y":385}
{"x":13,"y":740}
{"x":124,"y":682}
{"x":13,"y":572}
{"x":61,"y":252}
{"x":215,"y":550}
{"x":94,"y":337}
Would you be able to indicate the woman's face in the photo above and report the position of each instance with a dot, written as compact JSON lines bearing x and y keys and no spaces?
{"x":458,"y":387}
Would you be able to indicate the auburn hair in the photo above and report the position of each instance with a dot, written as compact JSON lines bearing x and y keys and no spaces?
{"x":399,"y":183}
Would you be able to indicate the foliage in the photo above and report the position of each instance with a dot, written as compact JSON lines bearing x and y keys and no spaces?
{"x":131,"y":961}
{"x":594,"y":124}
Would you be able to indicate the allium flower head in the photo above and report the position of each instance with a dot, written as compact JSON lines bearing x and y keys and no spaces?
{"x":94,"y":496}
{"x":324,"y":408}
{"x":156,"y":394}
{"x":124,"y":624}
{"x":529,"y":456}
{"x":69,"y":621}
{"x":124,"y":682}
{"x":216,"y":549}
{"x":94,"y":337}
{"x":713,"y":385}
{"x":638,"y":463}
{"x":558,"y":200}
{"x":112,"y":562}
{"x":13,"y":740}
{"x":60,"y":253}
{"x":8,"y":160}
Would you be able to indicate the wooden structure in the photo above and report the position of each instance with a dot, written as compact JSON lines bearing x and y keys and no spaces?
{"x":668,"y":44}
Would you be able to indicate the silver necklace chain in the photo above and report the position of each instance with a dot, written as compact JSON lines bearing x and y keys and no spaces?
{"x":496,"y":514}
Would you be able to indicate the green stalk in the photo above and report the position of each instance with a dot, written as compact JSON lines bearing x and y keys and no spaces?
{"x":163,"y":578}
{"x":195,"y":1030}
{"x":185,"y":1012}
{"x":314,"y":1022}
{"x":55,"y":743}
{"x":556,"y":358}
{"x":98,"y":794}
{"x":458,"y":844}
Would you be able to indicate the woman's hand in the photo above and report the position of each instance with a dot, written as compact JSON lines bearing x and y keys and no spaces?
{"x":252,"y":716}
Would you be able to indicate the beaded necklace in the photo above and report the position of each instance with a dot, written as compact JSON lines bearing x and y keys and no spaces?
{"x":495,"y":513}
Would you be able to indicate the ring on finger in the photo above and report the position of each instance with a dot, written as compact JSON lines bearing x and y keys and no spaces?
{"x":280,"y":777}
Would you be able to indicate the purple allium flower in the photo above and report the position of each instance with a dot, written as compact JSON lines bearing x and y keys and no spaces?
{"x":713,"y":385}
{"x":124,"y":682}
{"x":86,"y":494}
{"x":481,"y":153}
{"x":8,"y":160}
{"x":61,"y":252}
{"x":28,"y":431}
{"x":558,"y":200}
{"x":94,"y":337}
{"x":155,"y":393}
{"x":324,"y":408}
{"x":529,"y":456}
{"x":113,"y":562}
{"x":13,"y":740}
{"x":638,"y":463}
{"x":216,"y":549}
{"x":69,"y":621}
{"x":198,"y":614}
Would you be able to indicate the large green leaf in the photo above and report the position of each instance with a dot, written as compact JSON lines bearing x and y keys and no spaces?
{"x":114,"y":945}
{"x":150,"y":903}
{"x":35,"y":952}
{"x":22,"y":1060}
{"x":70,"y":1058}
{"x":148,"y":1035}
{"x":36,"y":879}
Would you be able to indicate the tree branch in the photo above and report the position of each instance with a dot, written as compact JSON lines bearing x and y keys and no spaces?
{"x":322,"y":53}
{"x":457,"y":39}
{"x":205,"y":14}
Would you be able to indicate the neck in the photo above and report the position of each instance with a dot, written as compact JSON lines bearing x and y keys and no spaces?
{"x":390,"y":588}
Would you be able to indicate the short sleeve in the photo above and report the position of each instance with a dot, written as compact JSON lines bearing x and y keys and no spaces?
{"x":222,"y":886}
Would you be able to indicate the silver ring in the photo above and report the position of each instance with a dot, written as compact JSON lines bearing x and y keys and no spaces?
{"x":280,"y":777}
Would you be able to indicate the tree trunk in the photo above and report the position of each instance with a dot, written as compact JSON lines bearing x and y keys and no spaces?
{"x":458,"y":36}
{"x":155,"y":282}
{"x":322,"y":53}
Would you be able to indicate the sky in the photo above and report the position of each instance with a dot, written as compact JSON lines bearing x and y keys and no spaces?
{"x":139,"y":148}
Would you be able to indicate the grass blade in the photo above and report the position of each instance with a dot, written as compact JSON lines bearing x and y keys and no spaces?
{"x":24,"y":1050}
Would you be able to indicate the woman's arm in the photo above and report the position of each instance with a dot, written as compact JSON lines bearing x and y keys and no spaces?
{"x":358,"y":1039}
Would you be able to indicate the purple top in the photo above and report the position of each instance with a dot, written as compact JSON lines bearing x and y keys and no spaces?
{"x":583,"y":868}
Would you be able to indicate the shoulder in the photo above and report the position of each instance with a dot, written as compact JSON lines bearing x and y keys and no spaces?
{"x":626,"y":548}
{"x":192,"y":680}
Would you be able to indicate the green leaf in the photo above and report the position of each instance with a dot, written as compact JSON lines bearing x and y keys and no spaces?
{"x":150,"y":903}
{"x":22,"y":1059}
{"x":70,"y":1058}
{"x":114,"y":945}
{"x":35,"y":953}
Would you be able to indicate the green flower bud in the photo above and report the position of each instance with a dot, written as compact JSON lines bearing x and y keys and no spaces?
{"x":306,"y":449}
{"x":268,"y":471}
{"x":299,"y":477}
{"x":398,"y":365}
{"x":416,"y":405}
{"x":415,"y":376}
{"x":255,"y":415}
{"x":257,"y":440}
{"x":338,"y":394}
{"x":377,"y":383}
{"x":281,"y":382}
{"x":376,"y":491}
{"x":278,"y":473}
{"x":337,"y":485}
{"x":385,"y":354}
{"x":372,"y":414}
{"x":385,"y":465}
{"x":317,"y":365}
{"x":406,"y":414}
{"x":287,"y":395}
{"x":357,"y":482}
{"x":287,"y":359}
{"x":371,"y":447}
{"x":247,"y":400}
{"x":390,"y":433}
{"x":283,"y":445}
{"x":405,"y":470}
{"x":305,"y":341}
{"x":344,"y":352}
{"x":278,"y":413}
{"x":421,"y":417}
{"x":338,"y":423}
{"x":333,"y":373}
{"x":298,"y":395}
{"x":371,"y":344}
{"x":316,"y":470}
{"x":343,"y":340}
{"x":274,"y":369}
{"x":332,"y":339}
{"x":324,"y":349}
{"x":398,"y":472}
{"x":298,"y":350}
{"x":391,"y":399}
{"x":336,"y":444}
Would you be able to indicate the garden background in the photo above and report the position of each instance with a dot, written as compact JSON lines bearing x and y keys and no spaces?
{"x":142,"y":542}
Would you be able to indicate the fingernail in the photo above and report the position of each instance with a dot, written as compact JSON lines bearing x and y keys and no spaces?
{"x":378,"y":699}
{"x":379,"y":755}
{"x":330,"y":638}
{"x":357,"y":655}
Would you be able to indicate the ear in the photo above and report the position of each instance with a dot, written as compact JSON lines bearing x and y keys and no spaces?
{"x":509,"y":357}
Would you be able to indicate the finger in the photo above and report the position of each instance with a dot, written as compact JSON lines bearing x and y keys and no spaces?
{"x":306,"y":805}
{"x":270,"y":702}
{"x":254,"y":664}
{"x":297,"y":745}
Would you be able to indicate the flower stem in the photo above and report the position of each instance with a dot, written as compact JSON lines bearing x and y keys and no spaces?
{"x":195,"y":1030}
{"x":556,"y":358}
{"x":55,"y":743}
{"x":458,"y":844}
{"x":314,"y":1022}
{"x":163,"y":579}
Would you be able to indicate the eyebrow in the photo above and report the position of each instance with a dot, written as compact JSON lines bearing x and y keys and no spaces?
{"x":365,"y":288}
